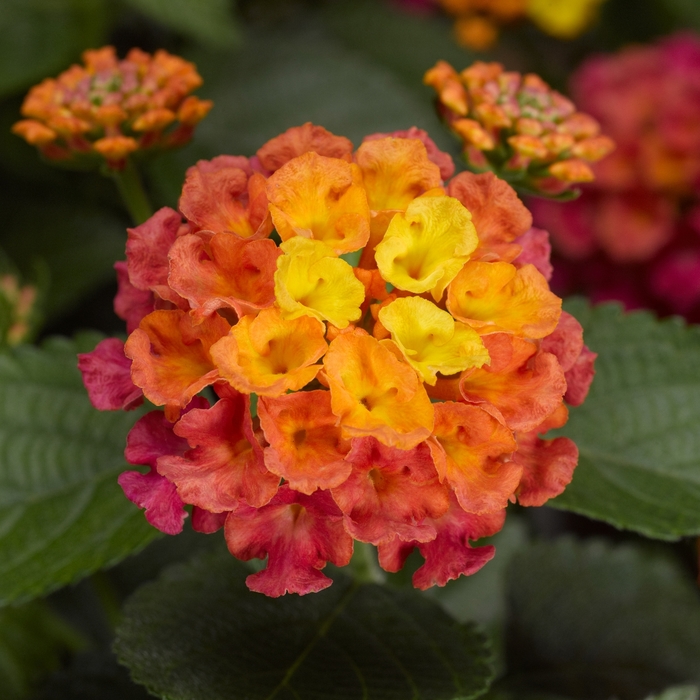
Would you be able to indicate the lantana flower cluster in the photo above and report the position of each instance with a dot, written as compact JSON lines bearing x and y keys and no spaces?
{"x":477,"y":22}
{"x":395,"y":331}
{"x":518,"y":127}
{"x":108,"y":108}
{"x":638,"y":226}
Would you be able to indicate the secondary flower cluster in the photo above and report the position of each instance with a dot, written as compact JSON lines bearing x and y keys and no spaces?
{"x":638,"y":226}
{"x":397,"y":332}
{"x":109,"y":108}
{"x":477,"y":22}
{"x":517,"y":126}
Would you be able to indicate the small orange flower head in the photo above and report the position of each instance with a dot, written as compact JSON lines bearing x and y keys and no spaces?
{"x":106,"y":109}
{"x":517,"y":126}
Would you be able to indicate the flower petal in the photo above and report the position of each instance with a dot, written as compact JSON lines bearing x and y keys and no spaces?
{"x":497,"y":296}
{"x":374,"y":393}
{"x":226,"y":463}
{"x":425,"y":247}
{"x":390,"y":493}
{"x":298,"y":534}
{"x":306,"y":445}
{"x":320,"y":198}
{"x":472,"y":450}
{"x":269,"y":355}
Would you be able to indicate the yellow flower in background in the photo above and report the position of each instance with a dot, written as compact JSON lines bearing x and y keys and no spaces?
{"x":477,"y":22}
{"x":564,"y":19}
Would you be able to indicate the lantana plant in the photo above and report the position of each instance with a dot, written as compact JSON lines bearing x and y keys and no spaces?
{"x":395,"y":331}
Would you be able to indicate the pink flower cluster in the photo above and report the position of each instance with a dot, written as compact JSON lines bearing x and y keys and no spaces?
{"x":637,"y":227}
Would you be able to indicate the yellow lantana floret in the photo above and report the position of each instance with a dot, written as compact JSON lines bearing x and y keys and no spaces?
{"x":425,"y":247}
{"x":311,"y":281}
{"x":430,"y":339}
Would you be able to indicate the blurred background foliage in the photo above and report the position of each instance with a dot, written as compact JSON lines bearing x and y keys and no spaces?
{"x":356,"y":67}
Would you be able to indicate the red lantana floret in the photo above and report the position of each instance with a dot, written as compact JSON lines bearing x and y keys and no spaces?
{"x":400,"y":401}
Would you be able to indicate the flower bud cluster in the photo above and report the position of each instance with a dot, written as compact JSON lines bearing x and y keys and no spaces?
{"x":108,"y":108}
{"x":383,"y":347}
{"x":518,"y":127}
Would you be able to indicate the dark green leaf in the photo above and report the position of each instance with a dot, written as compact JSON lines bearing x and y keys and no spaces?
{"x":588,"y":620}
{"x":208,"y":21}
{"x":62,"y":513}
{"x":199,"y":634}
{"x":93,"y":675}
{"x":638,"y":431}
{"x":32,"y":642}
{"x":40,"y":38}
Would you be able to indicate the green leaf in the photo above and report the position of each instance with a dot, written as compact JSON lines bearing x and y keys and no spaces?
{"x":282,"y":78}
{"x":208,"y":21}
{"x":199,"y":633}
{"x":62,"y":513}
{"x":407,"y":43}
{"x":637,"y":431}
{"x":32,"y":642}
{"x":42,"y":37}
{"x":588,"y":620}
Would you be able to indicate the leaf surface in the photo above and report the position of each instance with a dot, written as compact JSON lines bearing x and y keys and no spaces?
{"x":62,"y":513}
{"x":638,"y":431}
{"x":589,"y":620}
{"x":199,"y":633}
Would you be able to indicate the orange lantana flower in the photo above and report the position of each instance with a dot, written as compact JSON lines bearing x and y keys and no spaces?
{"x":401,"y":400}
{"x":108,"y":108}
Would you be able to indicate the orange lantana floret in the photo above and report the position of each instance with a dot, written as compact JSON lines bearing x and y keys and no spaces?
{"x":108,"y":108}
{"x":396,"y":333}
{"x":517,"y":125}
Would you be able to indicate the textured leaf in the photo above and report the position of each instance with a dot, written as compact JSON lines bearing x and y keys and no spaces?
{"x":588,"y":620}
{"x":32,"y":641}
{"x":42,"y":37}
{"x":285,"y":77}
{"x":198,"y":633}
{"x":208,"y":21}
{"x":639,"y":430}
{"x":62,"y":513}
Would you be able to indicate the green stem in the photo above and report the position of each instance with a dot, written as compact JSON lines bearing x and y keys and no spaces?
{"x":364,"y":565}
{"x":132,"y":192}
